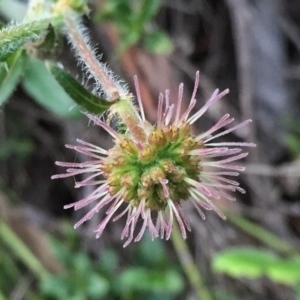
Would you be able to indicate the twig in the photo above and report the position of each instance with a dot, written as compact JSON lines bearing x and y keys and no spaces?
{"x":270,"y":171}
{"x":242,"y":21}
{"x":261,"y":234}
{"x":189,"y":266}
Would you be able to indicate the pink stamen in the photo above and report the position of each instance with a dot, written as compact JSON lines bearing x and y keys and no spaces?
{"x":196,"y":85}
{"x":159,"y":110}
{"x":221,"y":123}
{"x":233,"y":158}
{"x":187,"y":112}
{"x":179,"y":103}
{"x":97,"y":121}
{"x":139,"y":98}
{"x":168,"y":115}
{"x":103,"y":224}
{"x":214,"y":98}
{"x":179,"y":220}
{"x":91,"y":146}
{"x":164,"y":183}
{"x":229,"y":130}
{"x":239,"y":144}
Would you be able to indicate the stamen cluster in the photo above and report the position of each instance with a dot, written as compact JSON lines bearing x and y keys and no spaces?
{"x":155,"y":170}
{"x":152,"y":169}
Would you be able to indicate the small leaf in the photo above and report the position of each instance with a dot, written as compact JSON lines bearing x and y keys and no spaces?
{"x":58,"y":286}
{"x":284,"y":271}
{"x":10,"y":73}
{"x":240,"y":262}
{"x":17,"y":148}
{"x":148,"y":10}
{"x":49,"y":41}
{"x":97,"y":286}
{"x":143,"y":279}
{"x":13,"y":36}
{"x":293,"y":143}
{"x":158,"y":42}
{"x":78,"y":93}
{"x":109,"y":260}
{"x":44,"y":89}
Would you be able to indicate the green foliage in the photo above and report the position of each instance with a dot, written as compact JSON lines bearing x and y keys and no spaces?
{"x":15,"y":147}
{"x":293,"y":143}
{"x":142,"y":279}
{"x":78,"y":93}
{"x":132,"y":19}
{"x":254,"y":263}
{"x":261,"y":234}
{"x":222,"y":295}
{"x":81,"y":282}
{"x":48,"y":46}
{"x":150,"y":275}
{"x":157,"y":42}
{"x":292,"y":139}
{"x":13,"y":36}
{"x":19,"y":249}
{"x":10,"y":74}
{"x":43,"y":88}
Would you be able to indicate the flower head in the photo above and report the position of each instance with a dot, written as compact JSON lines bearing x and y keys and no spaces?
{"x":152,"y":169}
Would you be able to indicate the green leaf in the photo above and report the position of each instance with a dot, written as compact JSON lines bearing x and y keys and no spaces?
{"x":13,"y":36}
{"x":109,"y":260}
{"x":78,"y":93}
{"x":18,"y":148}
{"x":238,"y":262}
{"x":10,"y":73}
{"x":151,"y":252}
{"x":293,"y":143}
{"x":261,"y":234}
{"x":49,"y":41}
{"x":44,"y":89}
{"x":97,"y":286}
{"x":143,"y":279}
{"x":21,"y":250}
{"x":148,"y":10}
{"x":254,"y":263}
{"x":58,"y":286}
{"x":284,"y":271}
{"x":158,"y":42}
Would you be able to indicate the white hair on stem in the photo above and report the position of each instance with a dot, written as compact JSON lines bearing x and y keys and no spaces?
{"x":107,"y":84}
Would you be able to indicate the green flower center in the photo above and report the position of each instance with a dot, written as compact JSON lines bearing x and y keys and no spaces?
{"x":155,"y":172}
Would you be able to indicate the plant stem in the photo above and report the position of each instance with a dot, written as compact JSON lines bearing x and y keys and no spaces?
{"x":87,"y":56}
{"x":22,"y":251}
{"x":261,"y":234}
{"x":193,"y":274}
{"x":2,"y":296}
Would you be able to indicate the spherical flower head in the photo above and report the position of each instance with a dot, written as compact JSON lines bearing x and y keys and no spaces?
{"x":153,"y":169}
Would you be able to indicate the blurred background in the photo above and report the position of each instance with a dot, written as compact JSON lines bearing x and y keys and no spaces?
{"x":251,"y":47}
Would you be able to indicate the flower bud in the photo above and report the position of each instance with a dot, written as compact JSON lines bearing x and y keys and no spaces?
{"x":157,"y":138}
{"x":148,"y":154}
{"x":156,"y":174}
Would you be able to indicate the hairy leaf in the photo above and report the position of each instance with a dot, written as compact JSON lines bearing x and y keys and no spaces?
{"x":44,"y":89}
{"x":10,"y":73}
{"x":78,"y":93}
{"x":13,"y":36}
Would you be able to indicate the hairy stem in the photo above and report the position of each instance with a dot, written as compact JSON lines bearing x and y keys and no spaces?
{"x":89,"y":59}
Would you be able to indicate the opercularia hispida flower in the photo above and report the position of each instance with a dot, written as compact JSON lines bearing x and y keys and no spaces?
{"x":153,"y":169}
